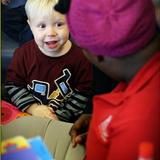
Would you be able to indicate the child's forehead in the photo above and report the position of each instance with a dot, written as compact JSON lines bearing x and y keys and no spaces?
{"x":48,"y":16}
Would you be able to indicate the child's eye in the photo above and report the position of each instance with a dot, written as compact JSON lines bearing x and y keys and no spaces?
{"x":42,"y":26}
{"x":59,"y":24}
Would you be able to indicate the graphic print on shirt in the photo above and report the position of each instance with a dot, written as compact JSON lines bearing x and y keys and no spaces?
{"x":63,"y":85}
{"x":103,"y":129}
{"x":41,"y":89}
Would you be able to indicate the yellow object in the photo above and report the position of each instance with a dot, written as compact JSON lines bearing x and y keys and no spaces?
{"x":14,"y":143}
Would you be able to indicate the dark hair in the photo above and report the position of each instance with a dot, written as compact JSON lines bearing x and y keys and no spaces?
{"x":62,"y":6}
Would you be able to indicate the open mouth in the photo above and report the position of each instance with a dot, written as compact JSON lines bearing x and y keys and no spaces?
{"x":52,"y":44}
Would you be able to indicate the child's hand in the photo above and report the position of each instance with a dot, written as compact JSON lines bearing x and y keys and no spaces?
{"x":41,"y":111}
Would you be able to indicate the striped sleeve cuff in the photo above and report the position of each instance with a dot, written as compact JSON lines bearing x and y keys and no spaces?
{"x":20,"y":96}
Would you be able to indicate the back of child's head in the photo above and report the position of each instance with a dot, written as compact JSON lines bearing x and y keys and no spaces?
{"x":113,"y":28}
{"x":37,"y":8}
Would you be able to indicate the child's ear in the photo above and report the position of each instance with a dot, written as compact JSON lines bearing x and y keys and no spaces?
{"x":28,"y":22}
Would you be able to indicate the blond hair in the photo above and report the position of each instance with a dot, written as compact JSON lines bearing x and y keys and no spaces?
{"x":39,"y":7}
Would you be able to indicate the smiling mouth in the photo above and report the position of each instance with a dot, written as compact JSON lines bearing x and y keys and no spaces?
{"x":52,"y":44}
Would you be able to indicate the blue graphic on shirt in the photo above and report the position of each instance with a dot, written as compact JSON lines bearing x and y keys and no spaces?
{"x":62,"y":83}
{"x":40,"y":89}
{"x":64,"y":87}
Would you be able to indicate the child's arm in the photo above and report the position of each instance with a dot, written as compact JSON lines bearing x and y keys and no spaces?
{"x":25,"y":102}
{"x":71,"y":108}
{"x":19,"y":96}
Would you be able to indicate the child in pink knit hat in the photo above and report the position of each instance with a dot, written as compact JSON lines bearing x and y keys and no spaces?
{"x":121,"y":39}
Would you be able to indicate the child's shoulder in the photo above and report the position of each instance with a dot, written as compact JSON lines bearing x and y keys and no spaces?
{"x":77,"y":56}
{"x":27,"y":49}
{"x":77,"y":51}
{"x":28,"y":46}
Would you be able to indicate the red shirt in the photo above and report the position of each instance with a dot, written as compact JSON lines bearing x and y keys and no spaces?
{"x":126,"y":117}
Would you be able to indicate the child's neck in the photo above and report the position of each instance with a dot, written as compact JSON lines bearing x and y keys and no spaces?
{"x":65,"y":48}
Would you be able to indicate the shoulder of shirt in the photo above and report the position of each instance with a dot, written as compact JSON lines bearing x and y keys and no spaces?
{"x":29,"y":44}
{"x":26,"y":50}
{"x":75,"y":49}
{"x":77,"y":53}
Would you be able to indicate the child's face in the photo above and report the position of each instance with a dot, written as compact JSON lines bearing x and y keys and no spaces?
{"x":50,"y":33}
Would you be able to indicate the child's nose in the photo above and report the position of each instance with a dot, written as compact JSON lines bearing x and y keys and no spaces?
{"x":51,"y":31}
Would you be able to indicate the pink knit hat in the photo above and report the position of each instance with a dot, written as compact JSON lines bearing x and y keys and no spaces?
{"x":112,"y":27}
